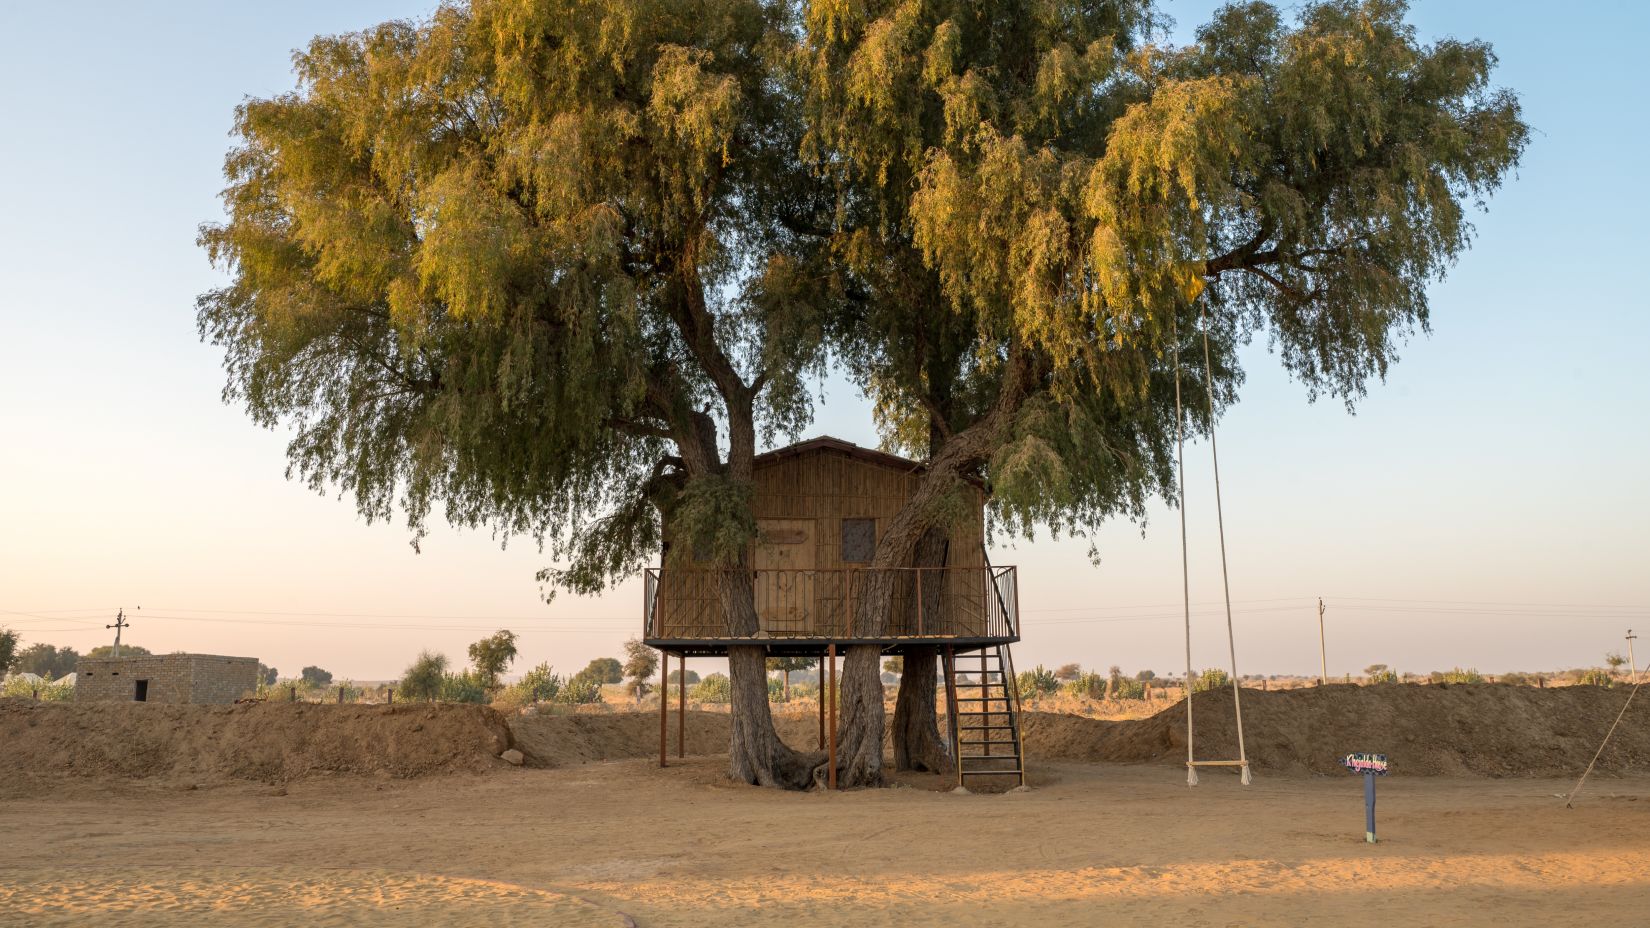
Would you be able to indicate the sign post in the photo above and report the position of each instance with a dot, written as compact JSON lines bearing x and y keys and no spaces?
{"x":1371,"y":766}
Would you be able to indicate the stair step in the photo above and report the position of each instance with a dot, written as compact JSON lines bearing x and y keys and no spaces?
{"x":993,"y":773}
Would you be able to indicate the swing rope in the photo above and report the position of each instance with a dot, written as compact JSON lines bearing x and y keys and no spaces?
{"x":1185,"y":569}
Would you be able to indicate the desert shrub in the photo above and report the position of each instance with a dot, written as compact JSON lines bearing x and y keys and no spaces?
{"x":541,"y":684}
{"x":423,"y":679}
{"x":47,"y":690}
{"x":1597,"y":676}
{"x":1087,"y":686}
{"x":1212,"y":679}
{"x":468,"y":686}
{"x":1384,"y":676}
{"x":714,"y":688}
{"x":776,"y":689}
{"x":805,"y":690}
{"x":1457,"y":675}
{"x":1518,"y":679}
{"x":580,"y":691}
{"x":1037,"y":682}
{"x":346,"y":691}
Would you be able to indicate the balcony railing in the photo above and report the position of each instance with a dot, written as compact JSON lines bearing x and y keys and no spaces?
{"x":923,"y":602}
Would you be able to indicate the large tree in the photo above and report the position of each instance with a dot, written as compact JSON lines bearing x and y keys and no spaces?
{"x":1041,"y":207}
{"x":531,"y":264}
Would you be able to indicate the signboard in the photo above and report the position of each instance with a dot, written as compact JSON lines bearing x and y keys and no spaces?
{"x":1366,"y":763}
{"x":1371,"y":766}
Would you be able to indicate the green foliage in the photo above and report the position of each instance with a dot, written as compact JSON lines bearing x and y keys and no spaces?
{"x":675,"y":677}
{"x":267,"y":675}
{"x":1457,"y":675}
{"x":1040,"y":204}
{"x":1123,"y":687}
{"x":602,"y":670}
{"x":541,"y":684}
{"x":1086,"y":686}
{"x":468,"y":686}
{"x":1596,"y":677}
{"x":9,"y":641}
{"x":580,"y":691}
{"x":105,"y":651}
{"x":316,"y":677}
{"x":1380,"y":674}
{"x":1615,"y":660}
{"x":517,"y":262}
{"x":1212,"y":679}
{"x":17,"y":687}
{"x":1037,"y":682}
{"x":1145,"y":676}
{"x":776,"y":689}
{"x":424,"y":678}
{"x":713,"y":688}
{"x":345,"y":691}
{"x":1068,"y":672}
{"x":895,"y":664}
{"x":641,"y":663}
{"x":46,"y":660}
{"x":492,"y":655}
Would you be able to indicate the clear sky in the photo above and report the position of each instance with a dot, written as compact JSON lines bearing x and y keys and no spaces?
{"x":1488,"y":506}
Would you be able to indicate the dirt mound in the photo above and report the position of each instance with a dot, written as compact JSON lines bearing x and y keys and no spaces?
{"x":1464,"y":729}
{"x":268,"y":742}
{"x":559,"y":740}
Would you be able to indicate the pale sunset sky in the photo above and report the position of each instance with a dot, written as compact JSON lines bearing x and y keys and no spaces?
{"x":1488,"y":506}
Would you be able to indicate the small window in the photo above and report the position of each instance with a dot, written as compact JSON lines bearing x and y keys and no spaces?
{"x":859,"y":540}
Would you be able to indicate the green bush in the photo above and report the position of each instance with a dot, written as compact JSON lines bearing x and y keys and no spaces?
{"x":1457,"y":675}
{"x":1087,"y":686}
{"x":1039,"y":681}
{"x":714,"y":688}
{"x":580,"y":691}
{"x":463,"y":687}
{"x":1127,"y":688}
{"x":48,"y":691}
{"x":1384,"y":676}
{"x":1596,"y":677}
{"x":541,"y":684}
{"x":1212,"y":679}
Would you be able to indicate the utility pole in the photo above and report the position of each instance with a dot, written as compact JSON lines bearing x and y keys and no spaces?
{"x":1631,"y":662}
{"x":1323,"y":652}
{"x":120,"y":623}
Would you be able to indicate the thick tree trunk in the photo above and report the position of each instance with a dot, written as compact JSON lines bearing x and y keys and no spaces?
{"x":859,"y":746}
{"x":755,"y":753}
{"x":918,"y":744}
{"x":917,"y":741}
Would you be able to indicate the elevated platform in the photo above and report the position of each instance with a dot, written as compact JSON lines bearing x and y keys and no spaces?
{"x":804,"y":612}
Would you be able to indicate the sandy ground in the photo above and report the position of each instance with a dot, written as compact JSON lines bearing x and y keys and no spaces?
{"x":1090,"y":844}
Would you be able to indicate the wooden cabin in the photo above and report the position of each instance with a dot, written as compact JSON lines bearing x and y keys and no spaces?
{"x":821,"y":506}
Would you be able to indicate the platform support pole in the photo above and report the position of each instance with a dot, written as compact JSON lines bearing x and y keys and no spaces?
{"x":681,"y":708}
{"x":830,"y":655}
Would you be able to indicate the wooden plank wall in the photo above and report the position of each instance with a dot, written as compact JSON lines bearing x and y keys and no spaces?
{"x":828,"y":486}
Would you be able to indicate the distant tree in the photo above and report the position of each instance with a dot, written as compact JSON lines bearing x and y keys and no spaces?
{"x":1068,"y":672}
{"x":46,"y":660}
{"x":105,"y":651}
{"x":492,"y":656}
{"x":423,"y":679}
{"x":675,"y":677}
{"x":1615,"y":660}
{"x":895,"y":664}
{"x":603,"y":670}
{"x":1145,"y":676}
{"x":9,"y":640}
{"x":315,"y":677}
{"x":541,"y":684}
{"x":641,"y":663}
{"x":267,"y":675}
{"x":786,"y":666}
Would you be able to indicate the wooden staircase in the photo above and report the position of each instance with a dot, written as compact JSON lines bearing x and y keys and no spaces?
{"x":984,"y":715}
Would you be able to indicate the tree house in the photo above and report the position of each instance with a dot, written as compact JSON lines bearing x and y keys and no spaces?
{"x":821,"y":506}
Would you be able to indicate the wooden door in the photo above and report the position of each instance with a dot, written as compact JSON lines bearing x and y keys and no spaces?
{"x":784,"y":562}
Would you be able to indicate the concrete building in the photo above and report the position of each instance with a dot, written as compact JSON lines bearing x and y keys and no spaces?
{"x":168,"y":678}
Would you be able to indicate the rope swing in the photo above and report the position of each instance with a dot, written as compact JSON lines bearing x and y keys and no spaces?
{"x":1192,"y":763}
